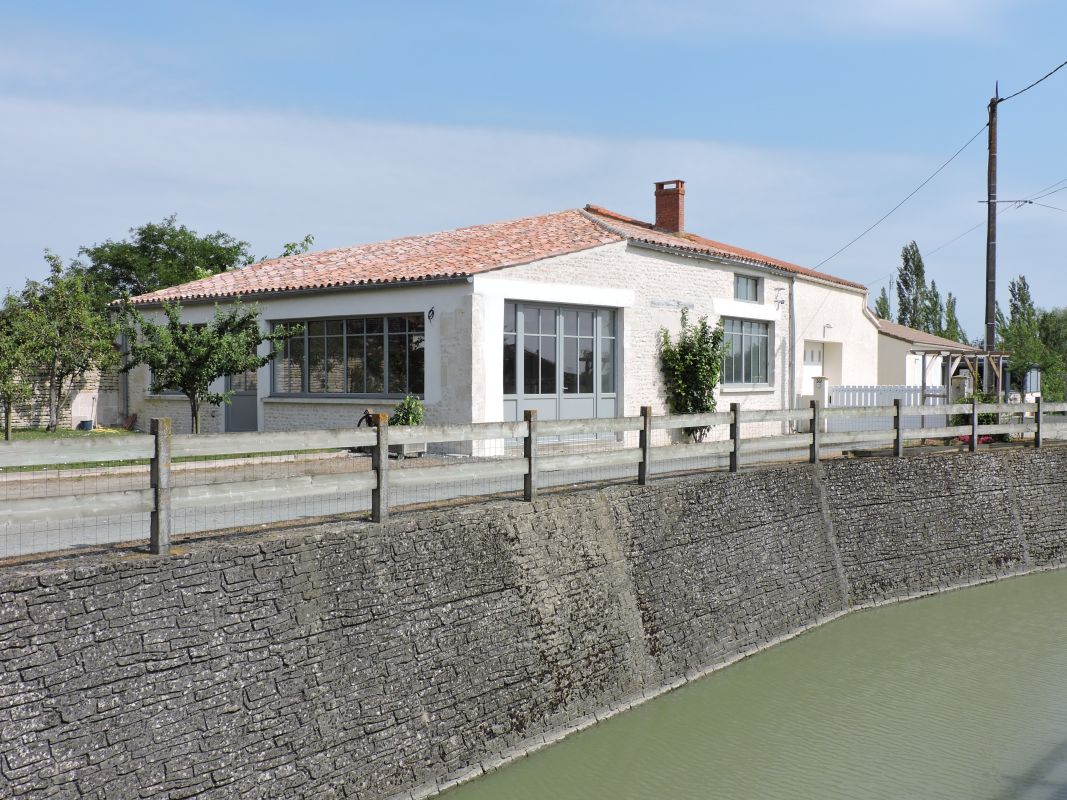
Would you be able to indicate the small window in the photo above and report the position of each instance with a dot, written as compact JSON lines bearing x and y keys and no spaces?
{"x":746,"y":288}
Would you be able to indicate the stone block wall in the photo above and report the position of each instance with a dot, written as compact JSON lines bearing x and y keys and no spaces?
{"x":370,"y":661}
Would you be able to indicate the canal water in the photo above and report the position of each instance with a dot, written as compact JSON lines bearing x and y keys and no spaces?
{"x":960,"y":695}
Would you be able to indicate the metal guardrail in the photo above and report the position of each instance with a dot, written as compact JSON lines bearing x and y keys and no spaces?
{"x":537,"y":459}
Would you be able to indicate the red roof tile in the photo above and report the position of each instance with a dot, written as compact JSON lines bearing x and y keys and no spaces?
{"x":644,"y":232}
{"x":436,"y":256}
{"x":457,"y":254}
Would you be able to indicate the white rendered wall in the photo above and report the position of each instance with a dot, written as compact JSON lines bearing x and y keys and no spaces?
{"x":898,"y":366}
{"x":837,"y":316}
{"x":448,"y":394}
{"x":651,"y":288}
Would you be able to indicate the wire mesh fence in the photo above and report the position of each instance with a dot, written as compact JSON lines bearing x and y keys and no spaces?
{"x":61,"y":495}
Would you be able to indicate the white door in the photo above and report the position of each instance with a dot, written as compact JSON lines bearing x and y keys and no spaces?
{"x":812,"y":368}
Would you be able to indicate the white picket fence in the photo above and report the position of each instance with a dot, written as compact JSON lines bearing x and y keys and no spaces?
{"x":875,"y":396}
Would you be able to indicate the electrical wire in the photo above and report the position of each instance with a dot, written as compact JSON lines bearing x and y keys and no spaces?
{"x":1032,"y":85}
{"x":1030,"y":200}
{"x":938,"y":170}
{"x":906,"y":199}
{"x":1054,"y":208}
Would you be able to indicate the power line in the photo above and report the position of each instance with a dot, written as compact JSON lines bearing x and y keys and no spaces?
{"x":906,"y":199}
{"x":1032,"y":85}
{"x":1054,"y":208}
{"x":1038,"y":195}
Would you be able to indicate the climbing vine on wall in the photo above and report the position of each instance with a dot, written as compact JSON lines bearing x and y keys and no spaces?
{"x":691,"y":368}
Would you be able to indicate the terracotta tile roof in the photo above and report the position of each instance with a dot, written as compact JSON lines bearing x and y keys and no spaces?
{"x":922,"y":338}
{"x":457,"y":254}
{"x":451,"y":254}
{"x":644,"y":232}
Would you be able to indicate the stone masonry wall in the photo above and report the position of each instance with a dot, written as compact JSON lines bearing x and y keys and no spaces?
{"x":365,"y":661}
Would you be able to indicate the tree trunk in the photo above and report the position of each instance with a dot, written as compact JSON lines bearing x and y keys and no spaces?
{"x":53,"y":407}
{"x":194,"y":409}
{"x":7,"y":422}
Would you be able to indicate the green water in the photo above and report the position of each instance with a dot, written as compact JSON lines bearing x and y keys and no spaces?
{"x":963,"y":695}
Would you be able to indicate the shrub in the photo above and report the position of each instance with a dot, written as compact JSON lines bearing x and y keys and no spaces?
{"x":409,"y":411}
{"x":691,"y":368}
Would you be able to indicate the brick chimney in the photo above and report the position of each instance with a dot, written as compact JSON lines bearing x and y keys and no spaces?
{"x":670,"y":206}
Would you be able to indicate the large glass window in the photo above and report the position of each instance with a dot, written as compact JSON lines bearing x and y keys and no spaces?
{"x":564,"y":350}
{"x":360,"y":355}
{"x":539,"y":350}
{"x":510,"y":348}
{"x":607,"y":351}
{"x":746,"y":346}
{"x":578,"y":338}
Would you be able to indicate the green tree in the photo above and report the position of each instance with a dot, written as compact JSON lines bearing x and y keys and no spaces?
{"x":70,"y":335}
{"x":881,"y":305}
{"x":1020,"y":334}
{"x":953,"y":330}
{"x":158,"y":255}
{"x":16,"y":358}
{"x":188,"y":357}
{"x":1052,"y":326}
{"x":911,"y":288}
{"x":934,"y":311}
{"x":296,"y":248}
{"x":691,"y":368}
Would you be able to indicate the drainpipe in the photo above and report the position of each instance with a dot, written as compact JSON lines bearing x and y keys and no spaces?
{"x":792,"y":344}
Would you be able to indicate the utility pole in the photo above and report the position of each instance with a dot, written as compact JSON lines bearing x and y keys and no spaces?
{"x":991,"y":245}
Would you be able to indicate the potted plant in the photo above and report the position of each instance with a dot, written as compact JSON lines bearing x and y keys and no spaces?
{"x":409,"y":411}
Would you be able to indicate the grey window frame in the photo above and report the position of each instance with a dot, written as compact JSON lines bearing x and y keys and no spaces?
{"x":742,"y":279}
{"x":387,"y":392}
{"x":601,"y":315}
{"x":768,"y":362}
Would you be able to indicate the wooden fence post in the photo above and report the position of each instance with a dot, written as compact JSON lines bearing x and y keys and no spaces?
{"x":815,"y":423}
{"x":735,"y":436}
{"x":159,"y":470}
{"x":898,"y":427}
{"x":380,"y":464}
{"x":1038,"y":418}
{"x":529,"y":452}
{"x":644,"y":467}
{"x":974,"y":425}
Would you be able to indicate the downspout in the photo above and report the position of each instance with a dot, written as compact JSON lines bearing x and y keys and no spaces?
{"x":791,"y":400}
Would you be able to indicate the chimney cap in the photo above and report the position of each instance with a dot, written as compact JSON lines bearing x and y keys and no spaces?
{"x":676,"y":184}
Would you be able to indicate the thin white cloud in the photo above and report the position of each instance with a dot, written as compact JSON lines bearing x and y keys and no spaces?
{"x":79,"y":174}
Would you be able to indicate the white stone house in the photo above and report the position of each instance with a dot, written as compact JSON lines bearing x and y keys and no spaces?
{"x":560,"y":313}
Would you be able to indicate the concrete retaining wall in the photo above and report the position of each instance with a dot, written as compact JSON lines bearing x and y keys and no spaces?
{"x":354,"y":660}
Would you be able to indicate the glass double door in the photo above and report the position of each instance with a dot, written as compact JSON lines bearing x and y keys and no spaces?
{"x":560,"y":361}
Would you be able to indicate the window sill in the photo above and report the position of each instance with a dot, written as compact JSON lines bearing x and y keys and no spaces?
{"x":761,"y":388}
{"x":347,"y":401}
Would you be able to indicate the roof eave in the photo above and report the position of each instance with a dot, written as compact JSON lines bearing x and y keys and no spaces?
{"x":281,"y":293}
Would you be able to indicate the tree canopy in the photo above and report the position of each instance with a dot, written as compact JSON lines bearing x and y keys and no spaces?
{"x":1020,"y":334}
{"x":16,"y":358}
{"x":189,"y":357}
{"x":881,"y":305}
{"x":161,"y":254}
{"x":68,"y":334}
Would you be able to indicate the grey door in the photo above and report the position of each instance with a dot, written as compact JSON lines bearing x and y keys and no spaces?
{"x":242,"y":412}
{"x":559,"y":360}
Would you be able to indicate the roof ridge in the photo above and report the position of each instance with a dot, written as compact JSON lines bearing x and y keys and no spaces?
{"x":685,"y":240}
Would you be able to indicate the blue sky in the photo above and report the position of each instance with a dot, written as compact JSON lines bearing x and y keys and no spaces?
{"x":796,"y":125}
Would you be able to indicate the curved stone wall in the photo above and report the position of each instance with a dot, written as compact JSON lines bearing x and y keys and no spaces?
{"x":355,"y":660}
